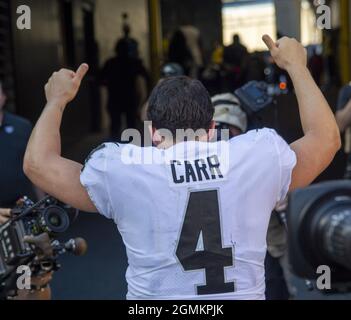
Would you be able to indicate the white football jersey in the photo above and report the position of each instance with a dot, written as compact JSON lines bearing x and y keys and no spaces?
{"x":193,"y":217}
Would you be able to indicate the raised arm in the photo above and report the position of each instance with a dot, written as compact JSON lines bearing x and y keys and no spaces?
{"x":43,"y":163}
{"x":321,"y":140}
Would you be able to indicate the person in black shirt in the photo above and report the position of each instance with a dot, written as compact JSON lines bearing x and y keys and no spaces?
{"x":123,"y":75}
{"x":14,"y":135}
{"x":235,"y":63}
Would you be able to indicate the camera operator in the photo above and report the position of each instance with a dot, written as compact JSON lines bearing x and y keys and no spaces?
{"x":40,"y":289}
{"x":229,"y":115}
{"x":14,"y":135}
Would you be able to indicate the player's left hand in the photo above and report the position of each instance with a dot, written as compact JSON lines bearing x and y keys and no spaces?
{"x":5,"y":214}
{"x":63,"y":85}
{"x":43,"y":279}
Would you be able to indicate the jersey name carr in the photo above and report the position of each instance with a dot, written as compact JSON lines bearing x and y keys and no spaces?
{"x":196,"y":171}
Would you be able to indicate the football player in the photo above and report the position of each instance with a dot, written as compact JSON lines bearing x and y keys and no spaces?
{"x":194,"y":219}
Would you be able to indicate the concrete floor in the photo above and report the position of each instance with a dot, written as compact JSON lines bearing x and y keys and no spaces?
{"x":100,"y":274}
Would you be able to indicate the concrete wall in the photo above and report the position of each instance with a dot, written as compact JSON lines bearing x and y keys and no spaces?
{"x":108,"y":24}
{"x":36,"y":55}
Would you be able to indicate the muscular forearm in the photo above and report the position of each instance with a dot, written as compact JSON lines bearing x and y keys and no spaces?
{"x":316,"y":150}
{"x":45,"y":141}
{"x":317,"y":118}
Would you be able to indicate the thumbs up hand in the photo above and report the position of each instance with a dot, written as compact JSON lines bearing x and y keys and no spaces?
{"x":287,"y":52}
{"x":63,"y":85}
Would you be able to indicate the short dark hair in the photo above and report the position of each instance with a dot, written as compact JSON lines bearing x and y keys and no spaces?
{"x":180,"y":103}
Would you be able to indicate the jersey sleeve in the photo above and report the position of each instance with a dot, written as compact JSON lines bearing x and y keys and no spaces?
{"x":287,"y":163}
{"x":93,"y":179}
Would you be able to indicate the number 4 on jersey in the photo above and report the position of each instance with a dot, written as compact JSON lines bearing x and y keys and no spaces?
{"x":203,"y":216}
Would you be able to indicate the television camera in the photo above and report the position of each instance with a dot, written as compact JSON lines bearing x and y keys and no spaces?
{"x":29,"y":238}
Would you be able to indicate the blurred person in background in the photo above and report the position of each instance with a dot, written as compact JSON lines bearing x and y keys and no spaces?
{"x":343,"y":119}
{"x":14,"y":135}
{"x":211,"y":76}
{"x":343,"y":113}
{"x":278,"y":277}
{"x":229,"y":115}
{"x":217,"y":54}
{"x":235,"y":59}
{"x":126,"y":80}
{"x":185,"y":48}
{"x":316,"y":65}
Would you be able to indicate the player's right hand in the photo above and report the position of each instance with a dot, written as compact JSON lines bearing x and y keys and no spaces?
{"x":63,"y":86}
{"x":287,"y":52}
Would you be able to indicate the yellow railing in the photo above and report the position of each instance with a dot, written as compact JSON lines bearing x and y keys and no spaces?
{"x":155,"y":38}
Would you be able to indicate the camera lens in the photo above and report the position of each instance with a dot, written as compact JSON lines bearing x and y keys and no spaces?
{"x":56,"y":219}
{"x":336,"y":236}
{"x":327,"y":231}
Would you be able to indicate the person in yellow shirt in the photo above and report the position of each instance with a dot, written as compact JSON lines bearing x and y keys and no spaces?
{"x":217,"y":55}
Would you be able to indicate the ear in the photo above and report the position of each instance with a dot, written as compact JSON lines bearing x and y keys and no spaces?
{"x":155,"y":136}
{"x":151,"y":130}
{"x":212,"y":131}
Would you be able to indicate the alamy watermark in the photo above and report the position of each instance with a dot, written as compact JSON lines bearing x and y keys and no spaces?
{"x":324,"y":16}
{"x":132,"y":154}
{"x":24,"y":20}
{"x":24,"y":280}
{"x":324,"y":280}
